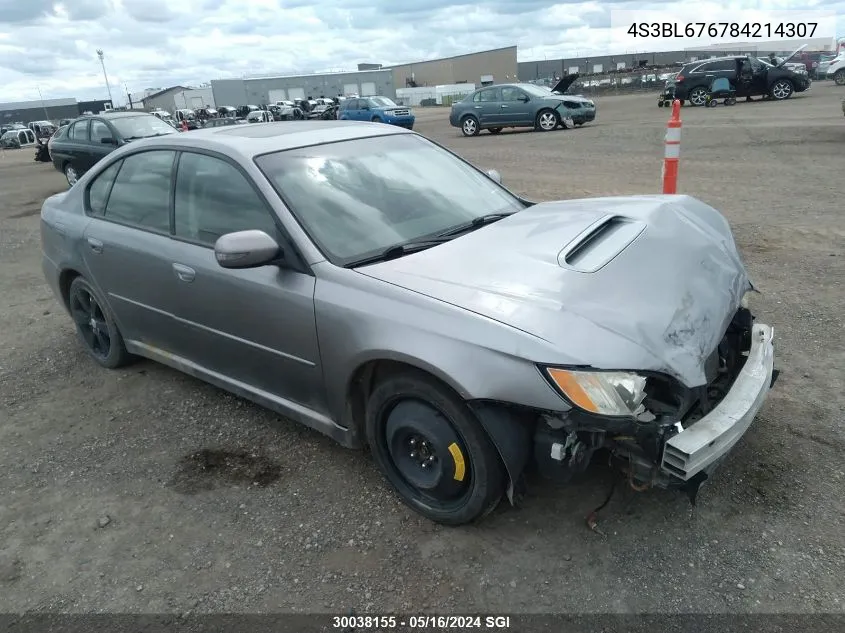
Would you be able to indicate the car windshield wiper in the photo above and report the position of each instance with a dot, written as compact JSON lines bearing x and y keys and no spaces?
{"x":133,"y":138}
{"x":475,"y":223}
{"x":398,"y":250}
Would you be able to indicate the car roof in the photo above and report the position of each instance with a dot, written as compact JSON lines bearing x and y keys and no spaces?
{"x":716,"y":59}
{"x":255,"y":139}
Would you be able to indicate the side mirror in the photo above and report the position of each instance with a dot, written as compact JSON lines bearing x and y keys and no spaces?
{"x":365,"y":107}
{"x":246,"y":249}
{"x":108,"y":141}
{"x":524,"y":99}
{"x":494,"y":175}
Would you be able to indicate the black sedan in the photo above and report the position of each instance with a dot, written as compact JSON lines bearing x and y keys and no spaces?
{"x":88,"y":139}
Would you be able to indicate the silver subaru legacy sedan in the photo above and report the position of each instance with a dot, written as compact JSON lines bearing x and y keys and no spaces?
{"x":368,"y":283}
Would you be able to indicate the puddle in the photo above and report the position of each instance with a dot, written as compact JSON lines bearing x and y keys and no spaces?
{"x":207,"y":469}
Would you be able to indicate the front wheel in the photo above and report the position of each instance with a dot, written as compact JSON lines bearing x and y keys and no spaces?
{"x":433,"y":450}
{"x":470,"y":127}
{"x":71,"y":175}
{"x":839,"y":77}
{"x":781,"y":89}
{"x":547,"y":120}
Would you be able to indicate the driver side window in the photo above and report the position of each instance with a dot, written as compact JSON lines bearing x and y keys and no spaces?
{"x":213,"y":198}
{"x":509,"y":93}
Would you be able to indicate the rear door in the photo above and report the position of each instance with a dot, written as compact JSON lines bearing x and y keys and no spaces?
{"x":486,"y":105}
{"x":255,"y":326}
{"x":129,"y":251}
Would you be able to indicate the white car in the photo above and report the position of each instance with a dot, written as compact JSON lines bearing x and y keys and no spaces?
{"x":259,"y":116}
{"x":836,"y":69}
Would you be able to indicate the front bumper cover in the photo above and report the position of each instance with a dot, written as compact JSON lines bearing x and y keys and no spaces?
{"x":701,"y":445}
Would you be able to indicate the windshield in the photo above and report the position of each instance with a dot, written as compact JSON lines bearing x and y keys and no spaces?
{"x":141,"y":126}
{"x":381,"y":102}
{"x":357,"y":198}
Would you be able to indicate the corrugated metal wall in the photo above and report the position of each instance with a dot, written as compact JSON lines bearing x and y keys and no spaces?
{"x":256,"y":91}
{"x":500,"y":63}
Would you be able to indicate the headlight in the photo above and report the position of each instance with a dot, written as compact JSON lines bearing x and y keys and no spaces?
{"x":617,"y":393}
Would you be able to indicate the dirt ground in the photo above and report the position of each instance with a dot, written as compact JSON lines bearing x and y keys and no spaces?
{"x":143,"y":490}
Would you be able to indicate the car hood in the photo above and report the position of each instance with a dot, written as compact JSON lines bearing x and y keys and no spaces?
{"x":639,"y":283}
{"x":565,"y":82}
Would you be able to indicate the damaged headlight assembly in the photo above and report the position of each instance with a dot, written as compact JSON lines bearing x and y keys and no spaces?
{"x":611,"y":393}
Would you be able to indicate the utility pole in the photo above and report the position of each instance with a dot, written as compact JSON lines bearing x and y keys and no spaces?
{"x":43,"y":105}
{"x":105,"y":76}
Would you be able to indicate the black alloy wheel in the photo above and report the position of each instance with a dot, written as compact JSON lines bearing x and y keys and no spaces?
{"x":95,"y":326}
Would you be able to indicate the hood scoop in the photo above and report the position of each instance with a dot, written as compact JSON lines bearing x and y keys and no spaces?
{"x":599,"y":243}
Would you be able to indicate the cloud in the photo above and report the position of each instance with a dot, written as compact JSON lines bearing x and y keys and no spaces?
{"x":52,"y":44}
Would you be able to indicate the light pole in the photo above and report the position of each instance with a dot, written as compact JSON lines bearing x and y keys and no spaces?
{"x":105,"y":76}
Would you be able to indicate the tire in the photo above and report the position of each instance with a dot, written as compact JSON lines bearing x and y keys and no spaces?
{"x":494,"y":130}
{"x":781,"y":89}
{"x":411,"y":415}
{"x":659,"y":104}
{"x":546,"y":121}
{"x":698,"y":96}
{"x":95,"y":326}
{"x":839,"y":77}
{"x":470,"y":126}
{"x":375,"y":119}
{"x":71,"y":174}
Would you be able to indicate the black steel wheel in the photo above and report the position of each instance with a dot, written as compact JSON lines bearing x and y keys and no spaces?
{"x":95,"y":326}
{"x":433,"y":450}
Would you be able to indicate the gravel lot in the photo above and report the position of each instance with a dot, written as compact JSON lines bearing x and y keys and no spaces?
{"x":105,"y":504}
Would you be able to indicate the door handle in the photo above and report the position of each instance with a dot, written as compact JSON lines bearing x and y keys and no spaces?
{"x":95,"y":245}
{"x":504,"y":106}
{"x":477,"y":107}
{"x":184,"y":273}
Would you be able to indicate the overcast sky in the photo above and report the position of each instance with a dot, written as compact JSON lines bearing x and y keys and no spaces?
{"x":157,"y":43}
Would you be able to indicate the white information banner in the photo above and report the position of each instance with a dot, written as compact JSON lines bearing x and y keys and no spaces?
{"x":687,"y":27}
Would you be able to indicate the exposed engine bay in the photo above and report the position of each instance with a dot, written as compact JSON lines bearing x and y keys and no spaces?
{"x":564,"y":444}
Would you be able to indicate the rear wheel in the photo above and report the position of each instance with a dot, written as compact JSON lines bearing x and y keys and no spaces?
{"x":95,"y":326}
{"x":375,"y":119}
{"x":698,"y":96}
{"x":432,"y":449}
{"x":469,"y":126}
{"x":839,"y":77}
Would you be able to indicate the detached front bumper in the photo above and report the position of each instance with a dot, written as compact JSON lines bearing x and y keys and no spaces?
{"x":700,"y":446}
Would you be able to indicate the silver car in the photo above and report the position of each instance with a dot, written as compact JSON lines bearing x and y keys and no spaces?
{"x":364,"y":281}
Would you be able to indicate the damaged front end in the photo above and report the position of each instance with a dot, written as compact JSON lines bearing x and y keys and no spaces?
{"x":675,"y":436}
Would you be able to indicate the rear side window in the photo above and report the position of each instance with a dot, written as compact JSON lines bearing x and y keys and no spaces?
{"x":141,"y":192}
{"x":98,"y":190}
{"x":213,"y":198}
{"x":79,"y":131}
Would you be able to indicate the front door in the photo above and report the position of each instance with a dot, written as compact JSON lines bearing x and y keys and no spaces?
{"x":514,"y":109}
{"x":254,"y":327}
{"x":98,"y":149}
{"x":129,"y":251}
